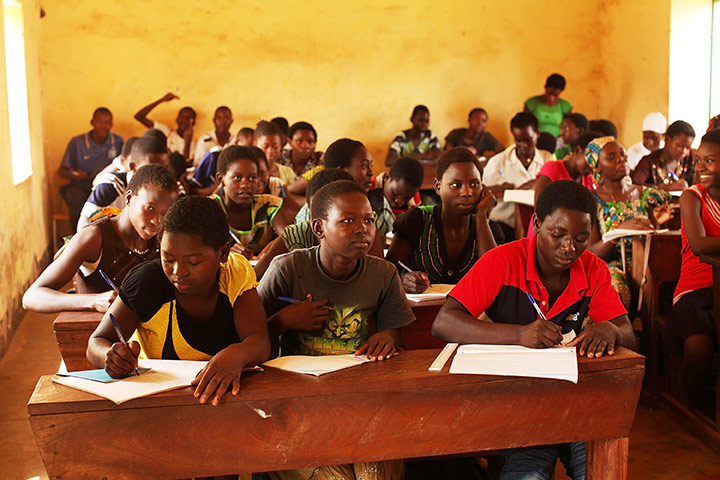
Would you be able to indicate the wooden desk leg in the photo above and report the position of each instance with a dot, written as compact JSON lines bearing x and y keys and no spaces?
{"x":716,"y":302}
{"x":607,"y":459}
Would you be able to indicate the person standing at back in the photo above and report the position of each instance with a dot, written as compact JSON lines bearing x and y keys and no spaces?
{"x":549,"y":108}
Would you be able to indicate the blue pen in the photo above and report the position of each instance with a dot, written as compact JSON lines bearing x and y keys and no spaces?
{"x":108,"y":280}
{"x":535,"y":305}
{"x":237,"y":240}
{"x":116,"y":326}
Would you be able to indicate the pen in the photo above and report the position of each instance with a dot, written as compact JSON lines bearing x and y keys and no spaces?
{"x":108,"y":280}
{"x":295,"y":300}
{"x":237,"y":240}
{"x":414,"y":274}
{"x":116,"y":326}
{"x":535,"y":305}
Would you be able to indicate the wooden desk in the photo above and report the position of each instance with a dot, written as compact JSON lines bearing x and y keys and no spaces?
{"x":72,"y":331}
{"x":418,"y":335}
{"x":715,"y":262}
{"x":379,"y":411}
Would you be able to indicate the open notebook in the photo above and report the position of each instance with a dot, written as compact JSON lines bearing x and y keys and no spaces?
{"x":435,"y":294}
{"x":518,"y":361}
{"x":317,"y":366}
{"x":524,"y":197}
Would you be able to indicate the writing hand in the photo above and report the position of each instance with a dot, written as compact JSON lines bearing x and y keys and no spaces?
{"x":413,"y":284}
{"x":380,"y":346}
{"x":242,"y":250}
{"x":120,"y":360}
{"x":540,"y":334}
{"x":596,"y":340}
{"x":222,"y":371}
{"x":307,"y":316}
{"x":102,"y":301}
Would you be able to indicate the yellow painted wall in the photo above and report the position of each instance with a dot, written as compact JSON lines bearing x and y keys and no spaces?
{"x":350,"y":68}
{"x":24,"y":208}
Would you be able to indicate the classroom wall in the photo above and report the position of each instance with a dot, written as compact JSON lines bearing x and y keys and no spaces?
{"x":350,"y":68}
{"x":24,"y":208}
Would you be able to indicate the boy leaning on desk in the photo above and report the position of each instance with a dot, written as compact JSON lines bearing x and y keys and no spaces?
{"x":571,"y":287}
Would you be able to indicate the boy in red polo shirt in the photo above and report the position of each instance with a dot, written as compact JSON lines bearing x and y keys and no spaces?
{"x":570,"y":285}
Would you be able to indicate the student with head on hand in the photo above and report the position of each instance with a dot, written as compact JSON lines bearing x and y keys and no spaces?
{"x":419,"y":142}
{"x":301,"y":156}
{"x":180,"y":139}
{"x":440,"y":243}
{"x":475,"y":138}
{"x":693,"y":329}
{"x":218,"y":138}
{"x":653,"y":130}
{"x":268,"y":138}
{"x":570,"y":285}
{"x":85,"y":156}
{"x":673,"y":166}
{"x":111,"y":245}
{"x":196,"y":302}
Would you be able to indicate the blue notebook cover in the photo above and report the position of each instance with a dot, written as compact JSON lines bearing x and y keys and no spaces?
{"x":100,"y":375}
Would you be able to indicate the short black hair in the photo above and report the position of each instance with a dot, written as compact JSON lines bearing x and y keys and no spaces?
{"x":555,"y":81}
{"x":265,"y":128}
{"x":234,"y":153}
{"x":546,"y":141}
{"x":408,"y":169}
{"x":419,"y":109}
{"x":455,"y":155}
{"x":259,"y":154}
{"x":189,"y":109}
{"x":102,"y":110}
{"x":476,"y":110}
{"x":301,"y":126}
{"x":145,"y":146}
{"x":177,"y":164}
{"x":155,"y":133}
{"x":127,"y":146}
{"x":323,"y":177}
{"x":246,"y":131}
{"x":340,"y":153}
{"x":223,"y":107}
{"x":604,"y":126}
{"x":566,"y":194}
{"x":156,"y":175}
{"x":583,"y":140}
{"x":523,"y":120}
{"x":679,"y":127}
{"x":578,"y":119}
{"x":199,"y":217}
{"x":282,"y":123}
{"x":325,"y":197}
{"x":712,"y":136}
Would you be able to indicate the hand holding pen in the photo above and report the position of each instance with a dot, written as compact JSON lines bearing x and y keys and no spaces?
{"x":541,"y":333}
{"x":121,"y":359}
{"x":414,"y":282}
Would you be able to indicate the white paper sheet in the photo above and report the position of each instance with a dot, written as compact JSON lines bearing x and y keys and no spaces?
{"x":319,"y":365}
{"x":435,"y":294}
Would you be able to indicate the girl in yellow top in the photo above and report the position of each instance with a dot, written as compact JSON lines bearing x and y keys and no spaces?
{"x":197,"y":302}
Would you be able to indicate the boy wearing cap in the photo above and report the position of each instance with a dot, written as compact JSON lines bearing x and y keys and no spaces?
{"x":653,"y":129}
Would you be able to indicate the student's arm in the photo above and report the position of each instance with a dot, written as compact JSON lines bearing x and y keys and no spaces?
{"x":541,"y":182}
{"x":483,"y":234}
{"x":601,"y":337}
{"x":225,"y":368}
{"x":400,"y":251}
{"x":44,"y":294}
{"x":382,"y":345}
{"x":642,"y":174}
{"x":691,"y":212}
{"x":104,"y":348}
{"x":141,"y":115}
{"x":277,"y":247}
{"x":298,"y":187}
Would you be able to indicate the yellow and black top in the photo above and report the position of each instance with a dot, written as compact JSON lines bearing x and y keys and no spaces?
{"x":166,"y":331}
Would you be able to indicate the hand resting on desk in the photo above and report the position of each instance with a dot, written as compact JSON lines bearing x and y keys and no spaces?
{"x":380,"y":346}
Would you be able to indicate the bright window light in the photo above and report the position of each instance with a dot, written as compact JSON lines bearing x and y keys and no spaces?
{"x":17,"y":91}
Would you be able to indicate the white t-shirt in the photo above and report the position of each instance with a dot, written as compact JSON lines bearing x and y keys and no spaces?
{"x":637,"y":152}
{"x":507,"y":167}
{"x":209,"y":141}
{"x":175,"y":142}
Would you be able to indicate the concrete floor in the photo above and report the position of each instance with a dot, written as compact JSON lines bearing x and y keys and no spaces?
{"x":659,"y":448}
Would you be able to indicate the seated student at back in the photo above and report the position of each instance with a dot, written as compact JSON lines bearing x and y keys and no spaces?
{"x":418,"y":142}
{"x":572,"y":127}
{"x":570,"y":285}
{"x":197,"y":302}
{"x":109,"y":189}
{"x":269,"y":139}
{"x":475,"y":138}
{"x":218,"y":138}
{"x":515,"y":167}
{"x":254,"y":219}
{"x":111,"y":245}
{"x":178,"y":140}
{"x":245,"y":137}
{"x":400,"y":185}
{"x":573,"y":167}
{"x":693,"y":327}
{"x":653,"y":129}
{"x":442,"y":242}
{"x":671,"y":167}
{"x":301,"y":156}
{"x":121,"y":163}
{"x":353,"y":302}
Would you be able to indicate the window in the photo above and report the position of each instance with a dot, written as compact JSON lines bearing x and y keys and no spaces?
{"x":17,"y":91}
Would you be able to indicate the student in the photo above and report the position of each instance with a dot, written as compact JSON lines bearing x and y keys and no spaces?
{"x":109,"y":189}
{"x":85,"y":156}
{"x":400,"y":185}
{"x":549,"y":108}
{"x":269,"y":139}
{"x":693,"y":323}
{"x":254,"y":219}
{"x":121,"y":163}
{"x":418,"y":142}
{"x":547,"y":143}
{"x":178,"y":167}
{"x":218,"y":138}
{"x":284,"y":126}
{"x":475,"y":138}
{"x":570,"y":285}
{"x":573,"y":167}
{"x":442,"y":242}
{"x":180,"y":139}
{"x":620,"y":205}
{"x":300,"y":235}
{"x":113,"y":245}
{"x":653,"y":129}
{"x":267,"y":184}
{"x":302,"y":155}
{"x":197,"y":302}
{"x":515,"y":167}
{"x":671,"y":167}
{"x":572,"y":126}
{"x":604,"y":126}
{"x":245,"y":137}
{"x":353,"y":302}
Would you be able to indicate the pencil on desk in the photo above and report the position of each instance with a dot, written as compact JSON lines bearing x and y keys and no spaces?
{"x":116,"y":326}
{"x":413,"y":273}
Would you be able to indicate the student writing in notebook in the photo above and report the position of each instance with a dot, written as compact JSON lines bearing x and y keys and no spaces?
{"x":197,"y":302}
{"x":570,"y":285}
